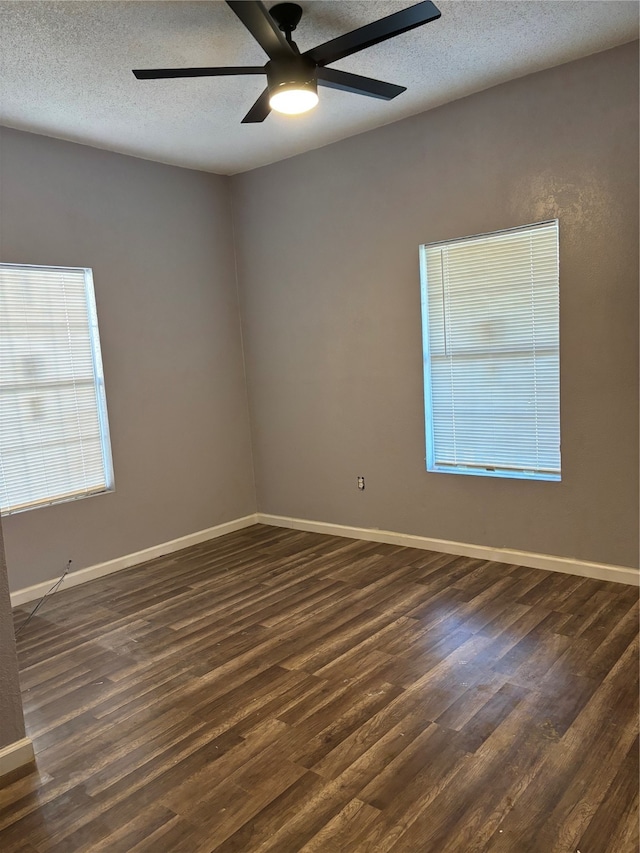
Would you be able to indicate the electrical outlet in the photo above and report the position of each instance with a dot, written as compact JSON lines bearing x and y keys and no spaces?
{"x":361,"y":483}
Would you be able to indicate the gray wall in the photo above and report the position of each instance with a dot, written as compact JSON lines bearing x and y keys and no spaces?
{"x":160,"y":242}
{"x":11,"y":720}
{"x":328,"y":248}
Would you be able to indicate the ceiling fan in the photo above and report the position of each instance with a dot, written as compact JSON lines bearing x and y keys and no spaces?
{"x":293,"y":77}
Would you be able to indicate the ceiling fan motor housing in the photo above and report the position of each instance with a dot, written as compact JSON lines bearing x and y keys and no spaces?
{"x":296,"y":72}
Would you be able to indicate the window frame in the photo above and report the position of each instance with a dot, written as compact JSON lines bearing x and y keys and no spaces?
{"x":480,"y":471}
{"x":100,"y":397}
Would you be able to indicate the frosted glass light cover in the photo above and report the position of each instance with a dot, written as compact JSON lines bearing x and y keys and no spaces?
{"x":293,"y":101}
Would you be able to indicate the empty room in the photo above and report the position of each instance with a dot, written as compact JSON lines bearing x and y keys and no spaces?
{"x":319,"y":445}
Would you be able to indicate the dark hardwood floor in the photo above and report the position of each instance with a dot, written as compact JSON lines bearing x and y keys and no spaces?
{"x":282,"y":691}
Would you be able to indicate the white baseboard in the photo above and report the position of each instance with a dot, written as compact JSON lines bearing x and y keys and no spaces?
{"x":31,"y":593}
{"x":568,"y":565}
{"x":15,"y":755}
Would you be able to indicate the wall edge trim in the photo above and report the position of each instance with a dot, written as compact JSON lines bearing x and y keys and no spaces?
{"x":15,"y":755}
{"x":548,"y":562}
{"x":31,"y":593}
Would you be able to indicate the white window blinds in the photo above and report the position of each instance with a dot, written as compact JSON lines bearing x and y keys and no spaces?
{"x":54,"y":442}
{"x":491,"y":353}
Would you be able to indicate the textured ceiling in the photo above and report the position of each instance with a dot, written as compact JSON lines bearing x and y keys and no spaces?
{"x":65,"y":69}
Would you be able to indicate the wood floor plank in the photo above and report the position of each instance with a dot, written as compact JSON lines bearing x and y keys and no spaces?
{"x":614,"y":824}
{"x":341,"y":832}
{"x":277,"y":691}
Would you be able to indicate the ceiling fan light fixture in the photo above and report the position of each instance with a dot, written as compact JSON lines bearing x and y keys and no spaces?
{"x":293,"y":98}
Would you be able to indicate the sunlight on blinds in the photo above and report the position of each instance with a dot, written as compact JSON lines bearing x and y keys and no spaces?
{"x":54,"y":442}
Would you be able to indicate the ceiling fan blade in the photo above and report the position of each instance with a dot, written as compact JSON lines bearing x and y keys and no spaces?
{"x":259,"y":111}
{"x":165,"y":73}
{"x":333,"y":79}
{"x":256,"y":18}
{"x":370,"y":34}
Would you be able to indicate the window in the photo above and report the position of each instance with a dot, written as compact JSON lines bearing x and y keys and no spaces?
{"x":491,"y":353}
{"x":54,"y":436}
